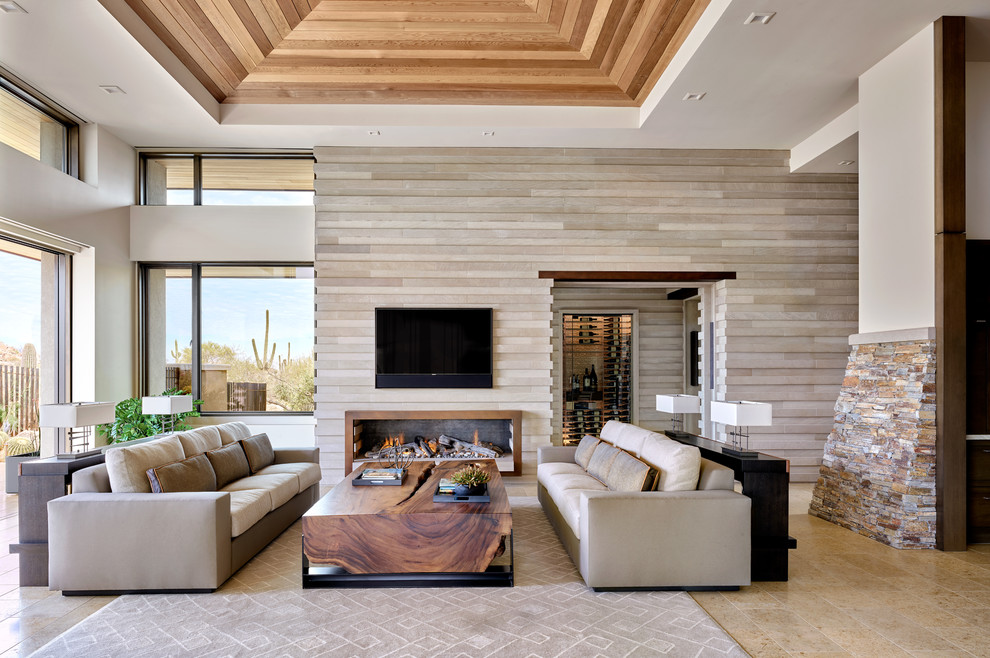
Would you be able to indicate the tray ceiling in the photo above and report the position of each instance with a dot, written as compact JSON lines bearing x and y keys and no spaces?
{"x":497,"y":52}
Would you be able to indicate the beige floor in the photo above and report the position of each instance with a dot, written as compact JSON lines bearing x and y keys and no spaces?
{"x":846,"y":595}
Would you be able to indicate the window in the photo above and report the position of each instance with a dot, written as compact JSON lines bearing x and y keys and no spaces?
{"x":239,"y":337}
{"x":36,"y":127}
{"x":227,"y":180}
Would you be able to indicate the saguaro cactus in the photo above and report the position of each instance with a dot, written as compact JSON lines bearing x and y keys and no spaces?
{"x":264,"y":362}
{"x":29,"y":356}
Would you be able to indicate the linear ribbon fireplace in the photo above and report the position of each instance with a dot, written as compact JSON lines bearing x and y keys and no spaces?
{"x":431,"y":435}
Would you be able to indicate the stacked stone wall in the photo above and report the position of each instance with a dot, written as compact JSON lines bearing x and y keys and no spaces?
{"x":878,"y":472}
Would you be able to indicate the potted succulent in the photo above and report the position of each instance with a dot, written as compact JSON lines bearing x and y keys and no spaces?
{"x":469,"y":481}
{"x":20,"y":448}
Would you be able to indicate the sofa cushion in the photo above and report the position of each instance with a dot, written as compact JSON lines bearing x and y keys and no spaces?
{"x":281,"y":487}
{"x":247,"y":507}
{"x":630,"y":474}
{"x":231,"y":432}
{"x":259,"y":452}
{"x":545,"y":472}
{"x":584,"y":450}
{"x":200,"y":440}
{"x":192,"y":474}
{"x":307,"y":473}
{"x":679,"y":464}
{"x":127,"y":466}
{"x":569,"y":504}
{"x":560,"y":484}
{"x":229,"y":463}
{"x":602,"y":460}
{"x":626,"y":436}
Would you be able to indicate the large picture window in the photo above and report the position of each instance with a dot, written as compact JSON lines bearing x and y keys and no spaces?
{"x":239,"y":337}
{"x":216,"y":179}
{"x":36,"y":127}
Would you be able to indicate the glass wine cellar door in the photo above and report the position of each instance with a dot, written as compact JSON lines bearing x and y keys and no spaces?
{"x":597,"y":372}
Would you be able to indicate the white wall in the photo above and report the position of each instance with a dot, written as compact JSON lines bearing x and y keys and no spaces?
{"x":897,"y":182}
{"x":94,"y":214}
{"x":223,"y":233}
{"x":977,"y":150}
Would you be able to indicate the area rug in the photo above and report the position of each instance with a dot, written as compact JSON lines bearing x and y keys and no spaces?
{"x":263,"y":611}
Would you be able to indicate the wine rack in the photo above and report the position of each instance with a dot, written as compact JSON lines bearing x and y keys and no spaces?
{"x":600,"y":344}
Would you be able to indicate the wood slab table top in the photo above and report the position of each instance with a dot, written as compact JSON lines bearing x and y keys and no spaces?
{"x":399,"y":529}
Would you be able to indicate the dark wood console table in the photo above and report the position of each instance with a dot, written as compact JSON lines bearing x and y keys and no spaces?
{"x":764,"y":480}
{"x":41,"y":480}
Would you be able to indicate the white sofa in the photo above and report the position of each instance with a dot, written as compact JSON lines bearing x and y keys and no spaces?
{"x":113,"y":535}
{"x":688,"y":530}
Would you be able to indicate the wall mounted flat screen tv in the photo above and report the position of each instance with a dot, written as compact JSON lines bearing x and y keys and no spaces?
{"x":433,"y":348}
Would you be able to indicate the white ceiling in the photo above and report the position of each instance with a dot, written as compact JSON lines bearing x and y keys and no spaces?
{"x":767,"y":86}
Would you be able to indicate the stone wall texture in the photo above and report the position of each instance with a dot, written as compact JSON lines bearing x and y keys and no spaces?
{"x":878,"y":472}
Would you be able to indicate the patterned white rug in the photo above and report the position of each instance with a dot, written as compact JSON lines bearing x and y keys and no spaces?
{"x":263,"y":611}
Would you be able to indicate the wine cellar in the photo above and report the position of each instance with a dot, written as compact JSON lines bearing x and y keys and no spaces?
{"x":597,"y":372}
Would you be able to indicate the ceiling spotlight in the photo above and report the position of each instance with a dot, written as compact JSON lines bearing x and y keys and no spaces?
{"x":488,"y":133}
{"x":694,"y":96}
{"x":374,"y":133}
{"x":11,"y":7}
{"x":761,"y":17}
{"x":112,"y":89}
{"x":846,"y":163}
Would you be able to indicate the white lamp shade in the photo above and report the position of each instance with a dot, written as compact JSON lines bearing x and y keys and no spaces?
{"x":75,"y":414}
{"x":166,"y":404}
{"x":679,"y":404}
{"x":742,"y":413}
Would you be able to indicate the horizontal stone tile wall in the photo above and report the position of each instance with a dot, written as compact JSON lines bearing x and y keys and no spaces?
{"x":452,"y":227}
{"x":878,"y":472}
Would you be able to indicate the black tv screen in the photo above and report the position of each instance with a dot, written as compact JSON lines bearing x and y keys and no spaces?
{"x":433,"y":348}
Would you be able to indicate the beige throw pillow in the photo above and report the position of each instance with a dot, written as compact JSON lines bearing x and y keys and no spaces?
{"x":584,"y":451}
{"x":127,"y":466}
{"x":193,"y":474}
{"x":630,"y":474}
{"x":679,"y":464}
{"x":601,"y":461}
{"x":259,"y":451}
{"x":229,"y":463}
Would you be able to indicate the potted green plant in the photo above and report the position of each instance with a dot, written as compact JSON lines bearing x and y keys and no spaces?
{"x":129,"y":423}
{"x":470,"y":481}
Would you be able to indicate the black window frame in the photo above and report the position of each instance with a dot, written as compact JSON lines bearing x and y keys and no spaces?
{"x":196,"y":271}
{"x":197,"y":158}
{"x":38,"y":101}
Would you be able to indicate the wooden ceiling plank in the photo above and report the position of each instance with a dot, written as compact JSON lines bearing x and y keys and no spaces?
{"x":557,"y":10}
{"x":278,"y":18}
{"x":290,"y":12}
{"x":569,"y":18}
{"x":649,"y":50}
{"x":290,"y":57}
{"x":418,"y":63}
{"x":188,"y":44}
{"x":594,"y":32}
{"x":261,"y":15}
{"x":236,"y":33}
{"x":302,"y":8}
{"x":442,"y":78}
{"x":652,"y":17}
{"x":583,"y":20}
{"x":580,"y":97}
{"x":618,"y":21}
{"x":149,"y":18}
{"x":323,"y":29}
{"x":697,"y":9}
{"x":463,"y":17}
{"x":226,"y":60}
{"x":252,"y":25}
{"x":326,"y":48}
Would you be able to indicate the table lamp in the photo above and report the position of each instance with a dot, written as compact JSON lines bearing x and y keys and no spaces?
{"x":741,"y":414}
{"x":678,"y":405}
{"x":168,"y":406}
{"x":78,"y":418}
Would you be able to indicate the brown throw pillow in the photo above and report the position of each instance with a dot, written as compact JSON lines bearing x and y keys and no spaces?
{"x":630,"y":474}
{"x":584,"y":451}
{"x":259,"y":452}
{"x":193,"y":474}
{"x":229,"y":463}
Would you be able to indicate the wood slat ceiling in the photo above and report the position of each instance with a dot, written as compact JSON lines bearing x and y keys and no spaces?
{"x":498,"y":52}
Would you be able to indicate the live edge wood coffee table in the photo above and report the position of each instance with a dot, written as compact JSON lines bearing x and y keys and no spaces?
{"x":396,"y":536}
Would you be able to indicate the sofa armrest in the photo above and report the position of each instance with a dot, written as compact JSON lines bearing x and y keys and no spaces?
{"x":548,"y":454}
{"x":295,"y":455}
{"x":665,"y":538}
{"x":126,"y":542}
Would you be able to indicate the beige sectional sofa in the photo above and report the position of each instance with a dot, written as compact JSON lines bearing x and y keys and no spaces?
{"x":223,"y":496}
{"x":635,"y":509}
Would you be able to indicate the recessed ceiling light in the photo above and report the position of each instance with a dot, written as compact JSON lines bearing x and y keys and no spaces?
{"x":112,"y":89}
{"x":11,"y":7}
{"x":374,"y":133}
{"x":846,"y":163}
{"x":694,"y":96}
{"x":761,"y":17}
{"x":488,"y":133}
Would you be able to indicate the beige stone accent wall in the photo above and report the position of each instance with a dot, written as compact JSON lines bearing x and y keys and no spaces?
{"x":878,"y":473}
{"x":473,"y":227}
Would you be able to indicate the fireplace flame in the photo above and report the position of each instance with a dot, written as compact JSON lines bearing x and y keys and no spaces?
{"x":394,"y":441}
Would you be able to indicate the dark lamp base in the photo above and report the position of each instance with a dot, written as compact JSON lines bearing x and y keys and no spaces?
{"x":739,"y":453}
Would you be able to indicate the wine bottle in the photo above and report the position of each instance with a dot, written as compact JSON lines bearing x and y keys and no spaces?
{"x":594,"y":378}
{"x":586,"y":381}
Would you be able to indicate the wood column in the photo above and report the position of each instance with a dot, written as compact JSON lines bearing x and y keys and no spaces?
{"x":950,"y":281}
